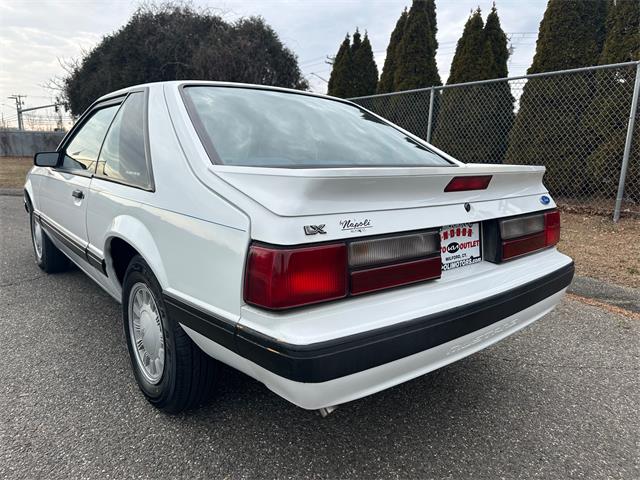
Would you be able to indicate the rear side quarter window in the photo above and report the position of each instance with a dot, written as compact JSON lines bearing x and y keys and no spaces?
{"x":123,"y":157}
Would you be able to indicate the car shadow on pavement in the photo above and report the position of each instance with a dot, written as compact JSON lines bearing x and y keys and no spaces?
{"x":484,"y":403}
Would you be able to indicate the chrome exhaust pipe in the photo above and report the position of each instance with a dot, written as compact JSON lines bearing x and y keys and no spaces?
{"x":324,"y":412}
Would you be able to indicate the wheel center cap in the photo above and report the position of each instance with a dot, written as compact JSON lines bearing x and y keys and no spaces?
{"x":150,"y":332}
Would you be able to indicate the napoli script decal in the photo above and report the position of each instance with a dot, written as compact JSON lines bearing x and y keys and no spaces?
{"x":355,"y":225}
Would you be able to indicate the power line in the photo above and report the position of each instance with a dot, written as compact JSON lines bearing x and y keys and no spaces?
{"x":56,"y":118}
{"x":321,"y":78}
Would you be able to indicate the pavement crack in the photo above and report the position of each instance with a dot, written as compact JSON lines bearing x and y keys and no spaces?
{"x":23,"y":280}
{"x":604,"y":305}
{"x":569,"y":366}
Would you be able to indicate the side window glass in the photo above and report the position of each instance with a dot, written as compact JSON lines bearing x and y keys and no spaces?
{"x":123,"y":154}
{"x":82,"y":153}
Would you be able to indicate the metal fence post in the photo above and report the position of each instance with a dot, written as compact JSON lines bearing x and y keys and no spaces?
{"x":627,"y":145}
{"x":430,"y":115}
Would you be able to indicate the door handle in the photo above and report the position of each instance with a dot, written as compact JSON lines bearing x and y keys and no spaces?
{"x":77,"y":194}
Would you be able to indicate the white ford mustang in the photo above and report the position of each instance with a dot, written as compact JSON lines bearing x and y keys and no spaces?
{"x":298,"y":238}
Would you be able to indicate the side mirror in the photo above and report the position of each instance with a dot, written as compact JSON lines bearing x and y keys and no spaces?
{"x":46,"y":159}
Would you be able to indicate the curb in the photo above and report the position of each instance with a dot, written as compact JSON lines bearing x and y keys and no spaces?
{"x":623,"y":297}
{"x":11,"y":192}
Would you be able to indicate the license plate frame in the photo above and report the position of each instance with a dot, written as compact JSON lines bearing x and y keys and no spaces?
{"x":460,"y":245}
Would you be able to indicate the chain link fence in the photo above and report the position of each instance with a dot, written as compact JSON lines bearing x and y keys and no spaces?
{"x":581,"y":124}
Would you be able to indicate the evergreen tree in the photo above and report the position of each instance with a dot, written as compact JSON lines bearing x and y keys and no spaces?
{"x":571,"y":35}
{"x":365,"y":71}
{"x":551,"y":108}
{"x":469,"y":62}
{"x":416,"y":68}
{"x":496,"y":42}
{"x":356,"y":43}
{"x":387,"y":79}
{"x":605,"y":126}
{"x":622,"y":43}
{"x":416,"y":55}
{"x":339,"y":81}
{"x":474,"y":121}
{"x":354,"y":72}
{"x":498,"y":100}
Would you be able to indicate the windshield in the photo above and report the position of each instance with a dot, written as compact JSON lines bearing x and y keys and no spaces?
{"x":266,"y":128}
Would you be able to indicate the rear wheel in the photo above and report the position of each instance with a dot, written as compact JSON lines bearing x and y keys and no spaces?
{"x":48,"y":257}
{"x":172,"y":372}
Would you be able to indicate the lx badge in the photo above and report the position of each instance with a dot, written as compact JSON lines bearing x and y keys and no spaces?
{"x":314,"y":229}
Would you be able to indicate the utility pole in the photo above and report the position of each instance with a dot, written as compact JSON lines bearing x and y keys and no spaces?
{"x":58,"y":110}
{"x":20,"y":109}
{"x":19,"y":105}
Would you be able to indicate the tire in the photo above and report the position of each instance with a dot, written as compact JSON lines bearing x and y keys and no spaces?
{"x":48,"y":257}
{"x":172,"y":372}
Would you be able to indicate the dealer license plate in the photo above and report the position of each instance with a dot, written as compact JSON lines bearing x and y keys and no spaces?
{"x":460,"y":245}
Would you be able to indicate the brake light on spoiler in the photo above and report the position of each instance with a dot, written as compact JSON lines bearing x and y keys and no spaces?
{"x":467,"y":183}
{"x":285,"y":277}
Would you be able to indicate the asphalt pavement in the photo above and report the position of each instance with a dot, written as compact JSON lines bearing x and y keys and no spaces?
{"x":559,"y":400}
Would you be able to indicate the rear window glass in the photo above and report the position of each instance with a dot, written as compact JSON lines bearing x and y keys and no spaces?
{"x":252,"y":127}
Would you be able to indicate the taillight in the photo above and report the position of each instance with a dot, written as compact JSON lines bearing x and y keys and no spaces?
{"x":377,"y":251}
{"x":379,"y":278}
{"x":464,"y":184}
{"x":381,"y":263}
{"x":277,"y":278}
{"x":526,"y":234}
{"x":552,"y":227}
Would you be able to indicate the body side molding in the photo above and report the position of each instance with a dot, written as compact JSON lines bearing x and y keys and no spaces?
{"x":72,"y":244}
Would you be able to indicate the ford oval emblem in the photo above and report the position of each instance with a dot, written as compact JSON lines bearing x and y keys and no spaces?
{"x":545,"y":200}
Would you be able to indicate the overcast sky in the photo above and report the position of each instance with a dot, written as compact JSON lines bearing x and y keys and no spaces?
{"x":34,"y":34}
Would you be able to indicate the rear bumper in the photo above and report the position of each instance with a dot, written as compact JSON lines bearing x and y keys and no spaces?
{"x":331,"y":372}
{"x":321,"y":362}
{"x":313,"y":396}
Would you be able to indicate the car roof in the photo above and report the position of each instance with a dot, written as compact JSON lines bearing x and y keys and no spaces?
{"x":178,"y":83}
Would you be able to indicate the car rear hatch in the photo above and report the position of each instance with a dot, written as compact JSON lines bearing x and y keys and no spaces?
{"x":325,"y":234}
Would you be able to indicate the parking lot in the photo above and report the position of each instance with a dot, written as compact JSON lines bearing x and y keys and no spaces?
{"x":558,"y":400}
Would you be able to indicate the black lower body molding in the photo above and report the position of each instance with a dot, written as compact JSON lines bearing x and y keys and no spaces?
{"x":324,"y":361}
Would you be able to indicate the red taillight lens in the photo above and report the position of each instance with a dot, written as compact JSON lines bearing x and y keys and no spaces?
{"x":520,"y":246}
{"x":552,"y":227}
{"x":463,"y":184}
{"x":278,"y":278}
{"x":522,"y":235}
{"x":379,"y":278}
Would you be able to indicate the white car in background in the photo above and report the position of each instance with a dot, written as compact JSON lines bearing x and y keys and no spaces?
{"x":296,"y":237}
